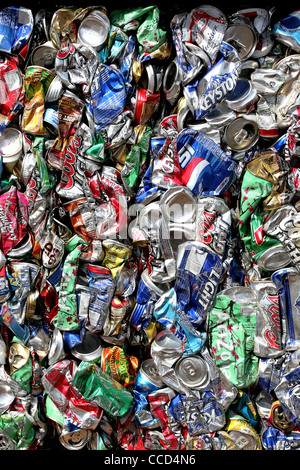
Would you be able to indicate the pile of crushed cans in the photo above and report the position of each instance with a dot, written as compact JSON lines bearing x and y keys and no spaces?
{"x":149,"y":229}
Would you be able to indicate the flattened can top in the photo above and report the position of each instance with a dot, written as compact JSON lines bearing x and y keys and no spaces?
{"x":44,"y":55}
{"x":193,"y":371}
{"x":149,"y":371}
{"x":243,"y":38}
{"x":94,"y":29}
{"x":274,"y":258}
{"x":241,"y":134}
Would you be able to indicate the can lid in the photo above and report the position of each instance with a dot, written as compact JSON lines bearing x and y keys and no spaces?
{"x":241,"y":134}
{"x":89,"y":349}
{"x":149,"y":369}
{"x":6,"y":397}
{"x":193,"y":371}
{"x":94,"y":29}
{"x":44,"y":55}
{"x":76,"y":440}
{"x":274,"y":258}
{"x":178,"y":205}
{"x":11,"y":142}
{"x":243,"y":38}
{"x":171,"y":81}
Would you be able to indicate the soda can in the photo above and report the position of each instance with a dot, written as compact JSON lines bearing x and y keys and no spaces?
{"x":94,"y":29}
{"x":268,"y":320}
{"x":243,"y":38}
{"x":144,"y":105}
{"x":101,"y":389}
{"x":241,"y":134}
{"x":286,"y":281}
{"x":51,"y":120}
{"x":73,"y":438}
{"x":287,"y":31}
{"x":205,"y":168}
{"x":12,"y":83}
{"x":193,"y":371}
{"x":57,"y":384}
{"x":16,"y":28}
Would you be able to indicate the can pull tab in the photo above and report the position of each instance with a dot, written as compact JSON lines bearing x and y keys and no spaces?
{"x":240,"y":136}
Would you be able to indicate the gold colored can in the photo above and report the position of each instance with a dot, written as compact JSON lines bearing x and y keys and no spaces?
{"x":278,"y":419}
{"x":116,"y":255}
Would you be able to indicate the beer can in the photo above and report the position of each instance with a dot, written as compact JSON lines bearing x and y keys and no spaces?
{"x":243,"y":38}
{"x":268,"y":322}
{"x":243,"y":96}
{"x":241,"y":134}
{"x":11,"y":147}
{"x":193,"y":371}
{"x":44,"y":56}
{"x":148,"y":377}
{"x":151,"y":78}
{"x":287,"y":282}
{"x":51,"y":120}
{"x":94,"y":29}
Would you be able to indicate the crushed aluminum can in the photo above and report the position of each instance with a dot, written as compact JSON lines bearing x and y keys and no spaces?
{"x":72,"y":437}
{"x":268,"y":319}
{"x":204,"y":94}
{"x":241,"y":133}
{"x":287,"y":30}
{"x":205,"y":168}
{"x":11,"y":147}
{"x":94,"y":29}
{"x":243,"y":96}
{"x":44,"y":56}
{"x":193,"y":371}
{"x":243,"y":434}
{"x":171,"y":82}
{"x":213,"y":222}
{"x":286,"y":282}
{"x":243,"y":38}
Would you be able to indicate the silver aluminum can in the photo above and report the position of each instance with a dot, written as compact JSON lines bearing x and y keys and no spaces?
{"x":150,"y":373}
{"x":73,"y":439}
{"x":55,"y":90}
{"x":171,"y":82}
{"x":44,"y":56}
{"x":243,"y":38}
{"x":94,"y":29}
{"x":241,"y":134}
{"x":89,"y":348}
{"x":213,"y":223}
{"x":151,"y":78}
{"x":274,"y":258}
{"x":11,"y":147}
{"x":287,"y":282}
{"x":193,"y":371}
{"x":268,"y":321}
